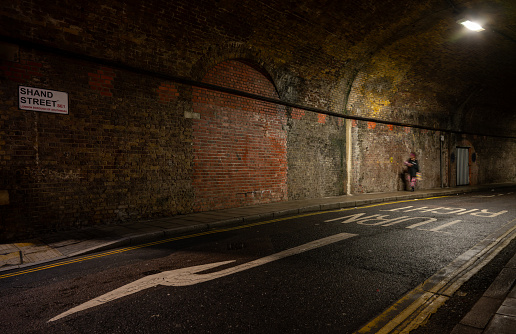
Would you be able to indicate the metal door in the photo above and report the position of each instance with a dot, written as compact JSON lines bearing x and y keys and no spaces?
{"x":462,"y":166}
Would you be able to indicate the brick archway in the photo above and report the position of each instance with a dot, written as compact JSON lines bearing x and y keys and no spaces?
{"x":239,"y":144}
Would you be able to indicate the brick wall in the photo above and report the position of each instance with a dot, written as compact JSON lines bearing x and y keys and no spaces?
{"x":122,"y":153}
{"x":379,"y":152}
{"x":316,"y":156}
{"x":239,"y":144}
{"x":484,"y":169}
{"x":136,"y":145}
{"x":21,"y":71}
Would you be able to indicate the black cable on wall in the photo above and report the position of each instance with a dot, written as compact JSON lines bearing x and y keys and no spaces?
{"x":194,"y":83}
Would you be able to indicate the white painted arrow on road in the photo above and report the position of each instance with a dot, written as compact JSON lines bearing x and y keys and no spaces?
{"x":189,"y":276}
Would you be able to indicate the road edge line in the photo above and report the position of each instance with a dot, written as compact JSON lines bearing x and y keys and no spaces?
{"x":414,"y":315}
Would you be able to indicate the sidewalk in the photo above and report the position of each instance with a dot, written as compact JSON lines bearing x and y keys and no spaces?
{"x":496,"y":311}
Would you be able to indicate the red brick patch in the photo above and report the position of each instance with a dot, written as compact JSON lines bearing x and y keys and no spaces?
{"x":297,"y":113}
{"x":21,"y":72}
{"x":167,"y":92}
{"x":240,"y":154}
{"x":102,"y":81}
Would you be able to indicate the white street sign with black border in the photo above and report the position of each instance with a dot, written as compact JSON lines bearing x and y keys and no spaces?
{"x":44,"y":100}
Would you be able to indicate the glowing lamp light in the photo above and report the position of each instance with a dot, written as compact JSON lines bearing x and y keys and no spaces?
{"x":471,"y":25}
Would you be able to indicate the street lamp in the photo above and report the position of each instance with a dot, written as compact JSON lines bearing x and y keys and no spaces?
{"x":474,"y":26}
{"x":470,"y":25}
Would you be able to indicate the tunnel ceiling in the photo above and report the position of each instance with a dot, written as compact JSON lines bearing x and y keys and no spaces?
{"x":472,"y":73}
{"x":408,"y":51}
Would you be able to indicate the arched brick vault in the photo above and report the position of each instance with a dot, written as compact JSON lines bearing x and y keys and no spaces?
{"x":430,"y":72}
{"x":287,"y":85}
{"x":124,"y":151}
{"x":456,"y":76}
{"x":300,"y":141}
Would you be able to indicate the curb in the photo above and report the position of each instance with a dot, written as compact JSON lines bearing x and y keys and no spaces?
{"x":306,"y":208}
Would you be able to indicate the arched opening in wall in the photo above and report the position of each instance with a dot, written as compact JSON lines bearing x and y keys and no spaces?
{"x":466,"y":163}
{"x":239,"y":144}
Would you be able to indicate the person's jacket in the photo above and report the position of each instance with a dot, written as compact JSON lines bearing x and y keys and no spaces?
{"x":414,"y":168}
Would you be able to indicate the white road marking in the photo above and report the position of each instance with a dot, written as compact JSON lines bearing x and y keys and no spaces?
{"x":447,"y":211}
{"x":486,"y":214}
{"x":445,"y":225}
{"x":384,"y":220}
{"x":428,"y":220}
{"x":480,"y":196}
{"x":464,"y":212}
{"x":189,"y":276}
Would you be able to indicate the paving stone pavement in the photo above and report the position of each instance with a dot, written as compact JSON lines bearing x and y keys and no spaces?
{"x":494,"y":313}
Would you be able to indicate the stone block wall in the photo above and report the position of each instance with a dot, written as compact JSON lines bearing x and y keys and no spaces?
{"x":316,"y":156}
{"x":379,"y":153}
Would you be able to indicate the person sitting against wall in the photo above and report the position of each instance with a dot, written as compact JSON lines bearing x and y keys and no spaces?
{"x":413,"y":170}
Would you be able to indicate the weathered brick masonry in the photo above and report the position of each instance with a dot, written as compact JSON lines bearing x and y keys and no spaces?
{"x":122,"y":153}
{"x":240,"y":144}
{"x":137,"y":144}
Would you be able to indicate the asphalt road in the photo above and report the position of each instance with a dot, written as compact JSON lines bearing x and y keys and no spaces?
{"x":327,"y":272}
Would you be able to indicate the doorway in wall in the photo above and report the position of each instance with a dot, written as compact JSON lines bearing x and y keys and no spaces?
{"x":462,"y":166}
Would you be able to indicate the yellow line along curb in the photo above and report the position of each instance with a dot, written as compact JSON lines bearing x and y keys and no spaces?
{"x":121,"y":250}
{"x":425,"y":303}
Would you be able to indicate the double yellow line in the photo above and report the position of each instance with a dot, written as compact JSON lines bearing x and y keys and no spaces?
{"x":416,"y":307}
{"x":121,"y":250}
